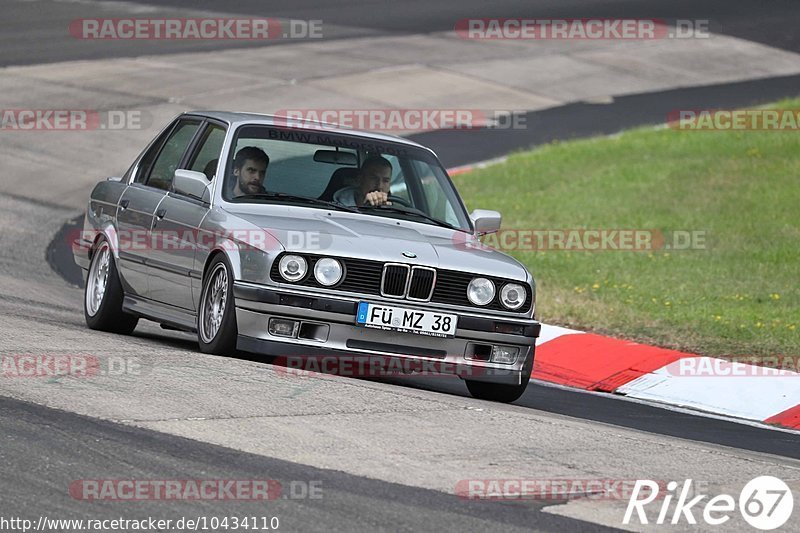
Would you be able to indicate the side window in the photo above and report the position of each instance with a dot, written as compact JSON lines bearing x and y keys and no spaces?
{"x":439,"y":205}
{"x":206,"y":158}
{"x":167,"y":161}
{"x":398,"y":187}
{"x":143,"y":170}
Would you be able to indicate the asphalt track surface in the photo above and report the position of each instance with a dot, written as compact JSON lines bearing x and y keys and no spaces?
{"x":62,"y":440}
{"x":45,"y":449}
{"x":578,"y":120}
{"x":29,"y":37}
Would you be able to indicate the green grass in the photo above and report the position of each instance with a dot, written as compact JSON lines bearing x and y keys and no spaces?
{"x":739,"y":296}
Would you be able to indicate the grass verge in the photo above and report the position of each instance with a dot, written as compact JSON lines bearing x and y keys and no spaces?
{"x":737,"y":294}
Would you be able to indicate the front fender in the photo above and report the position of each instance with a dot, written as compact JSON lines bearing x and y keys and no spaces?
{"x":248,"y":248}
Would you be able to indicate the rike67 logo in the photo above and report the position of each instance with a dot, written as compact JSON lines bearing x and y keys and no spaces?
{"x":765,"y":503}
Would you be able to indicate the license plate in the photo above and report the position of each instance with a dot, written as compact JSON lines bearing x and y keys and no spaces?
{"x":386,"y":317}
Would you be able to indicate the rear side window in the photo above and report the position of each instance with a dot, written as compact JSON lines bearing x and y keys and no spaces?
{"x":159,"y":174}
{"x":143,"y":170}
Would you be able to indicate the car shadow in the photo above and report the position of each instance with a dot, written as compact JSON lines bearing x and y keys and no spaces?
{"x":308,"y":367}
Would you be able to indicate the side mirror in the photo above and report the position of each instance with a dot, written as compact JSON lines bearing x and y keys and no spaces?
{"x":192,"y":184}
{"x":486,"y":221}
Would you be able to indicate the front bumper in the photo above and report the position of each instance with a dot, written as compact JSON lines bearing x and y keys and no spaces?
{"x":329,"y":331}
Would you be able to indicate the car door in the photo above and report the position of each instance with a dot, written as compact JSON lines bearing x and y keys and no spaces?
{"x":139,"y":202}
{"x":176,"y":223}
{"x":133,"y":218}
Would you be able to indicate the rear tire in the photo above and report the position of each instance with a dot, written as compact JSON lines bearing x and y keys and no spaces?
{"x":216,"y":315}
{"x":103,"y":295}
{"x":498,"y":392}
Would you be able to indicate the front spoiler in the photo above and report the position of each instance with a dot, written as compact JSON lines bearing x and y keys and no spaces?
{"x":302,"y":359}
{"x":255,"y":306}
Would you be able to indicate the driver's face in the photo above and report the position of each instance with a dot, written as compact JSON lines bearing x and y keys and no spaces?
{"x":251,"y":176}
{"x":375,"y":178}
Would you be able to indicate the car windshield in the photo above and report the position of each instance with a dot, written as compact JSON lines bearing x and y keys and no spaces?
{"x":326,"y":170}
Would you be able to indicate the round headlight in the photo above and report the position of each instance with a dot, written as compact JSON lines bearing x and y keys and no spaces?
{"x":513,"y":295}
{"x":292,"y":267}
{"x":328,"y":271}
{"x":480,"y":291}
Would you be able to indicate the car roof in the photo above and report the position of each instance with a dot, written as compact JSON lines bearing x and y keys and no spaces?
{"x":240,"y":118}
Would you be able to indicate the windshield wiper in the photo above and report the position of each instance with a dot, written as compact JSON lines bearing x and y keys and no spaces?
{"x":308,"y":199}
{"x":412,"y":211}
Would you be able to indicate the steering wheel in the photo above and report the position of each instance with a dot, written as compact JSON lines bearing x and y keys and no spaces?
{"x":401,"y":201}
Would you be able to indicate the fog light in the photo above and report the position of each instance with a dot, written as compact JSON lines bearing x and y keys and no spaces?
{"x":281,"y":327}
{"x":504,"y":354}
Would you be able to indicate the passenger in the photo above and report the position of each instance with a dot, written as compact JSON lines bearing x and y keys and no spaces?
{"x":250,"y":169}
{"x":372,"y":184}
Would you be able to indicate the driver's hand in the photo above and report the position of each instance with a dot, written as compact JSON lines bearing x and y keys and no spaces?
{"x":377,"y":198}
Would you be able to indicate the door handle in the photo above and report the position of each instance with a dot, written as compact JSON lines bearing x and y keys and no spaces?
{"x":124,"y":203}
{"x":161,"y":213}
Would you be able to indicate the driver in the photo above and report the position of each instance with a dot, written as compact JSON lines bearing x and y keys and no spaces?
{"x":372,"y":184}
{"x":250,"y":169}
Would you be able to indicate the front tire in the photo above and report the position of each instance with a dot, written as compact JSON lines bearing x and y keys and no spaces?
{"x":103,"y":295}
{"x":216,"y":316}
{"x":498,"y":392}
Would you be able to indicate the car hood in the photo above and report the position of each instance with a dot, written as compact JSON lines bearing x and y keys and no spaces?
{"x":377,"y":238}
